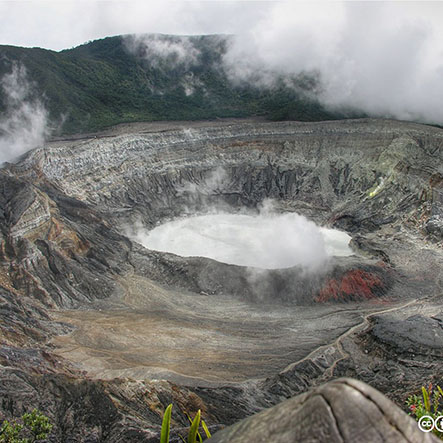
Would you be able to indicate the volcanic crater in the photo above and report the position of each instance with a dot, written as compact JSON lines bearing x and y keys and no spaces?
{"x":96,"y":304}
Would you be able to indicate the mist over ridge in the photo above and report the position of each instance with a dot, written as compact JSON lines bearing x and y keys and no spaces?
{"x":296,"y":62}
{"x":382,"y":58}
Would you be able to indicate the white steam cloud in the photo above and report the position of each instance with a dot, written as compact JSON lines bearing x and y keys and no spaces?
{"x":267,"y":240}
{"x":159,"y":48}
{"x":213,"y":183}
{"x":384,"y":58}
{"x":25,"y":122}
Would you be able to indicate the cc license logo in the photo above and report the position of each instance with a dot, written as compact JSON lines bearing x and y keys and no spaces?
{"x":427,"y":423}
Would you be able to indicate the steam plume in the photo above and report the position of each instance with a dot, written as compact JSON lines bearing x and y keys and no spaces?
{"x":25,"y":123}
{"x":266,"y":241}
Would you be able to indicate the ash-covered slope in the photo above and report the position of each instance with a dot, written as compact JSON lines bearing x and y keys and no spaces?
{"x":79,"y":295}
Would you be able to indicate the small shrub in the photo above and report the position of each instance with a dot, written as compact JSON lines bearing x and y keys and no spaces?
{"x":35,"y":427}
{"x":37,"y":424}
{"x":10,"y":432}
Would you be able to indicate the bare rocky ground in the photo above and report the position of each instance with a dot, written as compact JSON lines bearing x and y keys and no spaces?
{"x":102,"y":334}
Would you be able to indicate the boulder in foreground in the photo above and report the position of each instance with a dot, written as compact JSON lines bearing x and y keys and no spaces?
{"x":340,"y":411}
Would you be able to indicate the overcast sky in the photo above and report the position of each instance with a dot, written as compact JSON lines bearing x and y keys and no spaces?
{"x":64,"y":24}
{"x":385,"y":58}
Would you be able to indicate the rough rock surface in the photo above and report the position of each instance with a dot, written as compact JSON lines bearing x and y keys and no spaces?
{"x":84,"y":305}
{"x":342,"y":411}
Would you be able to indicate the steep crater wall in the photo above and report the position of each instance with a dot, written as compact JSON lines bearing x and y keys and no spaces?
{"x":359,"y":176}
{"x":359,"y":169}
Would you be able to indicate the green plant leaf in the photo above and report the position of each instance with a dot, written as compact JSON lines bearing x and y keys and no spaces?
{"x":205,"y":428}
{"x":192,"y":437}
{"x":199,"y":437}
{"x":426,"y":399}
{"x":166,"y":425}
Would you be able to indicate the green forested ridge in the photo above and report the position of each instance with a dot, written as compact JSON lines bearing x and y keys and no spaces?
{"x":101,"y":83}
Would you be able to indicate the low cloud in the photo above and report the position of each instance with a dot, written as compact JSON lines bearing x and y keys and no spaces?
{"x":24,"y":124}
{"x":160,"y":49}
{"x":384,"y":58}
{"x":381,"y":58}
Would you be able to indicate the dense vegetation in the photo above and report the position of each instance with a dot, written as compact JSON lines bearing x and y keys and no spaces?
{"x":102,"y":83}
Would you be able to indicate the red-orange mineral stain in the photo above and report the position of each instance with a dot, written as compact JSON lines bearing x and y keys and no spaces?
{"x":356,"y":283}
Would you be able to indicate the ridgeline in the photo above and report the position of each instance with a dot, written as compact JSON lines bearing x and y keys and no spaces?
{"x":103,"y":83}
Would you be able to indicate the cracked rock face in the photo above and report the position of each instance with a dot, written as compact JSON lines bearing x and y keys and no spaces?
{"x":332,"y":412}
{"x":85,"y":304}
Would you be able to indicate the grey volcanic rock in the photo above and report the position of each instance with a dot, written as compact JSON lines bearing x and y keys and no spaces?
{"x":417,"y":334}
{"x":91,"y":315}
{"x":434,"y":226}
{"x":319,"y":165}
{"x":345,"y":411}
